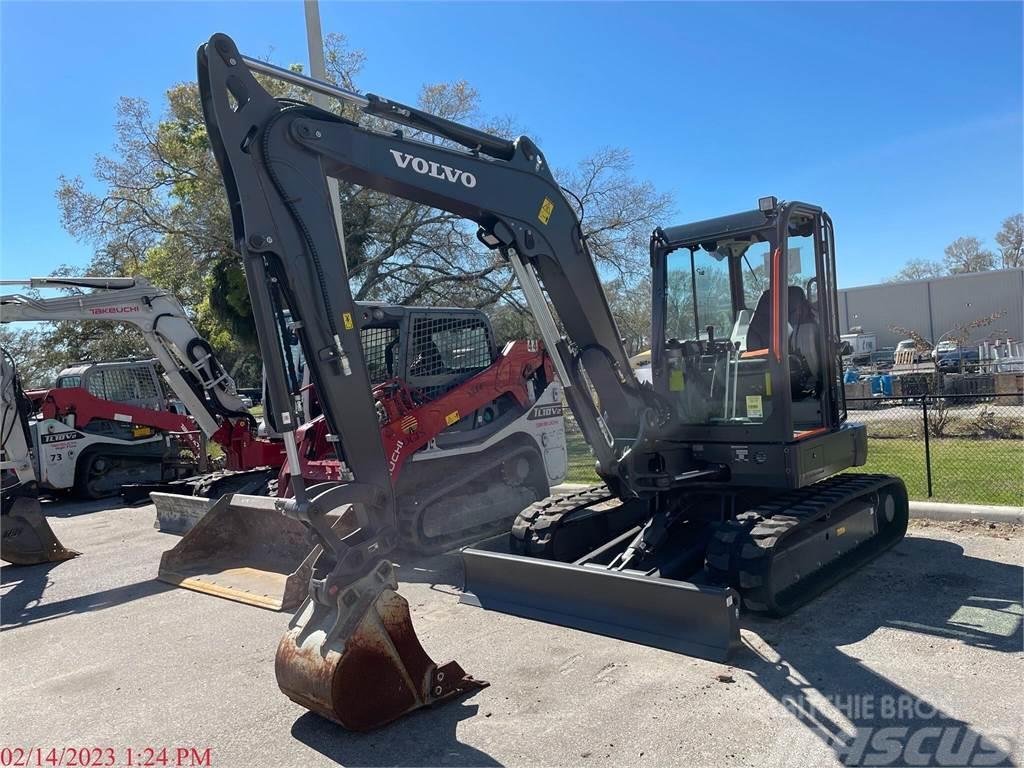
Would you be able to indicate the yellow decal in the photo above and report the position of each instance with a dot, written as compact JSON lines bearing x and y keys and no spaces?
{"x":451,"y":418}
{"x":840,"y":531}
{"x":755,"y":410}
{"x":142,"y":431}
{"x":346,"y":318}
{"x":676,"y":382}
{"x":767,"y":384}
{"x":545,"y":211}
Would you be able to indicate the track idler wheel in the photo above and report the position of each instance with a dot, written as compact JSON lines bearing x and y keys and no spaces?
{"x":359,"y":662}
{"x":26,"y":538}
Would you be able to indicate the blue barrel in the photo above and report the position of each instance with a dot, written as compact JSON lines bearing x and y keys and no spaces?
{"x":851,"y":376}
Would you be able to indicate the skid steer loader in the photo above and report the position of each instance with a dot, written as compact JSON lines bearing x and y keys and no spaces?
{"x":720,"y":477}
{"x":472,"y":436}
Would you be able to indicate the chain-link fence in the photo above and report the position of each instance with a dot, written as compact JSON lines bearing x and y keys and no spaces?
{"x":960,"y":448}
{"x":957,"y":448}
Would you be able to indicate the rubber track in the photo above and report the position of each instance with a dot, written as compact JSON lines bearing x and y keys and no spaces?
{"x":410,"y":516}
{"x":740,"y":552}
{"x":534,"y":527}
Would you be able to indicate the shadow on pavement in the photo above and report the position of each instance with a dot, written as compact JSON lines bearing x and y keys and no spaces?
{"x":19,"y":606}
{"x":924,"y":586}
{"x":424,"y":738}
{"x":442,"y":572}
{"x":69,"y":507}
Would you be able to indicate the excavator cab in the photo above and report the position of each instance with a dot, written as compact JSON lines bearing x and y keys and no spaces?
{"x":746,"y":313}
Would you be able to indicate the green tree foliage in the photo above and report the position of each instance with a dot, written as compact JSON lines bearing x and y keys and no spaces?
{"x":156,"y":207}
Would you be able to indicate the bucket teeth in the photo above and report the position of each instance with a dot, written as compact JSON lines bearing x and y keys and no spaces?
{"x":26,"y":538}
{"x":359,"y":662}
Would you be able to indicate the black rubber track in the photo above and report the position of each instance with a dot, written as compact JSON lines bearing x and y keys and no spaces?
{"x":742,"y":550}
{"x":567,"y":526}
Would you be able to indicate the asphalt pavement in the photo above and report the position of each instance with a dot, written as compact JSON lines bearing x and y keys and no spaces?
{"x":916,"y":659}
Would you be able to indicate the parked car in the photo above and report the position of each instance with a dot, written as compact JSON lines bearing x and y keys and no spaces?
{"x":959,"y":359}
{"x":943,"y":348}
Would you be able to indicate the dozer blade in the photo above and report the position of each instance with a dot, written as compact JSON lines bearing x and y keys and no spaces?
{"x":178,"y":513}
{"x":27,"y":538}
{"x":243,"y":549}
{"x":678,"y":616}
{"x":359,"y":662}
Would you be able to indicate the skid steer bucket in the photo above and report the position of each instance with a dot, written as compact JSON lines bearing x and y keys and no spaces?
{"x":243,"y":549}
{"x":178,"y":513}
{"x":678,"y":616}
{"x":27,"y":538}
{"x":359,"y":662}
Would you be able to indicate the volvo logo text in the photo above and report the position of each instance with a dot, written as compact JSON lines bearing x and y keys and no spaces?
{"x":431,"y":168}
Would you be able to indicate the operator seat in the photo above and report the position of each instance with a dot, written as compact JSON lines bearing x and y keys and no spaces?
{"x":759,"y":330}
{"x":803,"y":338}
{"x":429,"y":361}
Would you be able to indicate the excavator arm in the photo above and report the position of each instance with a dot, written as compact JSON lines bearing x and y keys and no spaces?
{"x":192,"y":369}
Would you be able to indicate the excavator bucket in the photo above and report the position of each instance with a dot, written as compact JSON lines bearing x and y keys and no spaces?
{"x":27,"y":538}
{"x":359,"y":662}
{"x":244,"y":549}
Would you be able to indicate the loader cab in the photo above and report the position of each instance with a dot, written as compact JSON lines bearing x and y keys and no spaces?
{"x":133,"y":382}
{"x":432,"y":349}
{"x":745,"y":309}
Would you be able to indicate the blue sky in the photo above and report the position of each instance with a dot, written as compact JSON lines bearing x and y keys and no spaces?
{"x":903,"y":120}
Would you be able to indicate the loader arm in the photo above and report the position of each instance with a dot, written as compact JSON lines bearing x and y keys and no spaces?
{"x":192,"y":369}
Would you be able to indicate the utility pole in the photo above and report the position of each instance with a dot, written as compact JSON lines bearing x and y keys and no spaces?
{"x":318,"y":71}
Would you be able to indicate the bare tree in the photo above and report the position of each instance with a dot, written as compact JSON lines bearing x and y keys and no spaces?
{"x":918,"y":269}
{"x":1011,"y":241}
{"x":965,"y":254}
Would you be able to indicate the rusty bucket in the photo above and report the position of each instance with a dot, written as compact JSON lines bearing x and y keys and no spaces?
{"x":359,"y":662}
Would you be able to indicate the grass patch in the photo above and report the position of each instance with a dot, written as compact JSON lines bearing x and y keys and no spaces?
{"x":581,"y":460}
{"x":963,"y":470}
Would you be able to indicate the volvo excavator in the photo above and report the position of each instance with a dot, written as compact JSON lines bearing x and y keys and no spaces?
{"x":722,"y":481}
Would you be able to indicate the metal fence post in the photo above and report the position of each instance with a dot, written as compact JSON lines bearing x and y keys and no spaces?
{"x":927,"y":446}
